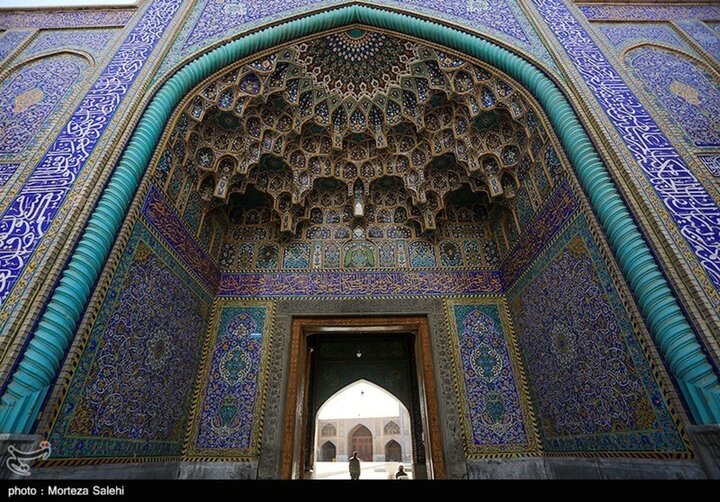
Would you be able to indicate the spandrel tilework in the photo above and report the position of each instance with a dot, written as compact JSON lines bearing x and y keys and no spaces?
{"x":687,"y":201}
{"x":93,"y":41}
{"x":623,"y":35}
{"x":212,"y":21}
{"x":30,"y":94}
{"x":683,"y":88}
{"x":29,"y":215}
{"x":11,"y":40}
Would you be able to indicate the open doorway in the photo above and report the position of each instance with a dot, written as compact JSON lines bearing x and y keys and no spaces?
{"x":364,"y":418}
{"x":381,"y":356}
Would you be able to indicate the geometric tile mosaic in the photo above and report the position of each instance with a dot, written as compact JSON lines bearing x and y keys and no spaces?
{"x":593,"y":388}
{"x":492,"y":388}
{"x":227,"y":419}
{"x":131,"y":392}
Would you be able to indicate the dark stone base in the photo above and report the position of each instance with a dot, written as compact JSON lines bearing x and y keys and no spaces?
{"x":706,"y":440}
{"x":501,"y":468}
{"x":584,"y":468}
{"x":151,"y":470}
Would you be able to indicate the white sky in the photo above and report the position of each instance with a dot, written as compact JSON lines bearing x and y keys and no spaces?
{"x":63,"y":3}
{"x":360,"y":400}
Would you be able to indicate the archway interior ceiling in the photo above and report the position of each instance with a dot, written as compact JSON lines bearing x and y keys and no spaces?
{"x":352,"y":140}
{"x":391,"y":168}
{"x":385,"y":362}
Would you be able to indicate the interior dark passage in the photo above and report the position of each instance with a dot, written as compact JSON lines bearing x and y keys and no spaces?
{"x":386,"y":360}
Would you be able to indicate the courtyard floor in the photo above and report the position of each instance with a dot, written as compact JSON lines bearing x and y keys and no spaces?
{"x":369,"y":470}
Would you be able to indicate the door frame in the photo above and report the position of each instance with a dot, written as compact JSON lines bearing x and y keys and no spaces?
{"x":293,"y":441}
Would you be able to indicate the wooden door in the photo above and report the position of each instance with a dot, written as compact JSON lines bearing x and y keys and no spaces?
{"x":393,"y":451}
{"x":362,"y":443}
{"x":328,"y":452}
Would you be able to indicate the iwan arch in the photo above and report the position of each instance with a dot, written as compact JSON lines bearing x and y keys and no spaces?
{"x":365,"y":170}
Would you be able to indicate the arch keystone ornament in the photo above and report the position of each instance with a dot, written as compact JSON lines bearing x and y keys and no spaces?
{"x":39,"y":365}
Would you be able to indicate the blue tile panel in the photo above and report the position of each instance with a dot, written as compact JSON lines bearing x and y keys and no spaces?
{"x":593,"y":388}
{"x":30,"y":214}
{"x":695,"y":212}
{"x":10,"y":40}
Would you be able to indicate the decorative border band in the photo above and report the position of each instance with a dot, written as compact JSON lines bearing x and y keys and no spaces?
{"x":360,"y":284}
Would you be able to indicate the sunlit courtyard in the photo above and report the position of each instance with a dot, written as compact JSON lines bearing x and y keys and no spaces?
{"x":369,"y":470}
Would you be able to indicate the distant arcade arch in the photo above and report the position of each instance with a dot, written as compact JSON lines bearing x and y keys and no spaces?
{"x":328,"y":452}
{"x":361,"y":441}
{"x":391,"y":428}
{"x":393,"y":451}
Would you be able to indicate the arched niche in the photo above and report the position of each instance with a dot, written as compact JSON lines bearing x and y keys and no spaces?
{"x":32,"y":92}
{"x":684,"y":88}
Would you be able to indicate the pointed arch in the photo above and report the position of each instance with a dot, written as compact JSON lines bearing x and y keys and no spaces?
{"x":370,"y":383}
{"x":32,"y":91}
{"x":46,"y":54}
{"x":391,"y":428}
{"x":328,"y":430}
{"x":393,"y":451}
{"x":41,"y":361}
{"x":658,"y":45}
{"x":360,"y":440}
{"x":684,"y":88}
{"x":328,"y":452}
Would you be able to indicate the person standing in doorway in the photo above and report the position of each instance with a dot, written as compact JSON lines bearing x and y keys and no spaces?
{"x":354,"y":466}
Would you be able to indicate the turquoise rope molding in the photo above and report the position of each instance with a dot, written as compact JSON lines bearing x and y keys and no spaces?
{"x":41,"y":361}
